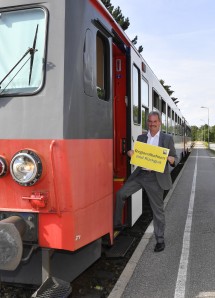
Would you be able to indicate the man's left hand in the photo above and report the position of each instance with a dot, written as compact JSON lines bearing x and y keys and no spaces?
{"x":171,"y":159}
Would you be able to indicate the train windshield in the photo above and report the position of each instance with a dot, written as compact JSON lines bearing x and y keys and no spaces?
{"x":22,"y":48}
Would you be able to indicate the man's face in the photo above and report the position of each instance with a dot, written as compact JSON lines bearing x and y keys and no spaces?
{"x":154,"y":124}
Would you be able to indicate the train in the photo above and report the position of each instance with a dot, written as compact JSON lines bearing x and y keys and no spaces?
{"x":74,"y":96}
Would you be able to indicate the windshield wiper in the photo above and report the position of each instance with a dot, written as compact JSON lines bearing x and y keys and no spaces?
{"x":26,"y":53}
{"x":31,"y":51}
{"x":32,"y":54}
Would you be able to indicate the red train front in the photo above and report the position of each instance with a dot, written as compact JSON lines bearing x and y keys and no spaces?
{"x":56,"y":147}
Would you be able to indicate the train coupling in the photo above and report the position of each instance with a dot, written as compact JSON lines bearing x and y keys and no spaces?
{"x":11,"y":246}
{"x":53,"y":288}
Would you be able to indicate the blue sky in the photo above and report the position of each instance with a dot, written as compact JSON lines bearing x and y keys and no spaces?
{"x":179,"y":45}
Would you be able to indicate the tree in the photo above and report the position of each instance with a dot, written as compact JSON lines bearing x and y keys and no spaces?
{"x":212,"y":134}
{"x":201,"y":133}
{"x":134,"y":41}
{"x":194,"y":133}
{"x":120,"y":19}
{"x":175,"y":99}
{"x":167,"y":87}
{"x":170,"y":92}
{"x":140,"y":49}
{"x":117,"y":14}
{"x":108,"y":5}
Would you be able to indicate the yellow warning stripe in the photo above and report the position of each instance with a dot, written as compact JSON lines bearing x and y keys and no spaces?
{"x":119,"y":179}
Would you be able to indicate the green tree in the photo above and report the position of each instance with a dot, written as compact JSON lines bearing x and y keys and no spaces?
{"x":175,"y":99}
{"x":212,"y":134}
{"x":120,"y":19}
{"x":170,"y":92}
{"x":134,"y":41}
{"x":140,"y":49}
{"x":108,"y":5}
{"x":117,"y":14}
{"x":194,"y":133}
{"x":167,"y":87}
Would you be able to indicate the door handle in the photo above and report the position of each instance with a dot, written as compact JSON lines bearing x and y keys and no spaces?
{"x":123,"y":146}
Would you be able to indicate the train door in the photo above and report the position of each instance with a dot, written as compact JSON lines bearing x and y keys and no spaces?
{"x":120,"y":122}
{"x":127,"y":122}
{"x":135,"y":125}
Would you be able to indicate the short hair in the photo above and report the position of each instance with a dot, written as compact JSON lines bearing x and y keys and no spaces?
{"x":155,"y":113}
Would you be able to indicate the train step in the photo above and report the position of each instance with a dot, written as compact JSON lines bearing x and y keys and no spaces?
{"x":53,"y":288}
{"x":122,"y":243}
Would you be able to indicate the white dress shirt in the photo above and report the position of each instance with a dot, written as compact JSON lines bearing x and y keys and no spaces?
{"x":152,"y":141}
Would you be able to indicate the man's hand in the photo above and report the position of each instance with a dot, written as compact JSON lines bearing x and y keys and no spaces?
{"x":130,"y":153}
{"x":171,"y":159}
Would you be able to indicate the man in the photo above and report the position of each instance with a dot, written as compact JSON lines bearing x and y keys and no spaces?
{"x":154,"y":183}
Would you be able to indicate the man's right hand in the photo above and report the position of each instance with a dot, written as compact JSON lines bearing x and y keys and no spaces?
{"x":130,"y":153}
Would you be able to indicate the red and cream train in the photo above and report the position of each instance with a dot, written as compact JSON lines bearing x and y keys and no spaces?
{"x":74,"y":95}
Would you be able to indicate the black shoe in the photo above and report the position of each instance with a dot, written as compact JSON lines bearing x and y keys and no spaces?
{"x":159,"y":247}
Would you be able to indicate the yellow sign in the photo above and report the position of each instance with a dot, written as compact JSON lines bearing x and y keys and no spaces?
{"x":149,"y":156}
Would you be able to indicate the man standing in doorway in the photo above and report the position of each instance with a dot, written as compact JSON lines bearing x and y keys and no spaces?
{"x":154,"y":183}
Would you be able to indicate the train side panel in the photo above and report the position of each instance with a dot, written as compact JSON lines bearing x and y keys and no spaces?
{"x":71,"y":129}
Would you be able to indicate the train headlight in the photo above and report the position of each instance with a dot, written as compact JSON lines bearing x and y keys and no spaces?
{"x":3,"y":167}
{"x":26,"y":167}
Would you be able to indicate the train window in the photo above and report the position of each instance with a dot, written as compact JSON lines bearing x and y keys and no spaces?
{"x":22,"y":39}
{"x":136,"y":95}
{"x":180,"y":127}
{"x":144,"y":93}
{"x":169,"y":122}
{"x":173,"y":122}
{"x":176,"y":124}
{"x":176,"y":127}
{"x":102,"y":66}
{"x":88,"y":63}
{"x":163,"y":114}
{"x":156,"y":101}
{"x":188,"y":131}
{"x":145,"y":113}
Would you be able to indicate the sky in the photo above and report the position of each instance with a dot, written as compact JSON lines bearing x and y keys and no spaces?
{"x":178,"y":37}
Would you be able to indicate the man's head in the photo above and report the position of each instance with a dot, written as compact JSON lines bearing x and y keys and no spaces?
{"x":154,"y":122}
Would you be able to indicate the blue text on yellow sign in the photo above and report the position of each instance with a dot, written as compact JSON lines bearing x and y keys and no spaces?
{"x":149,"y":156}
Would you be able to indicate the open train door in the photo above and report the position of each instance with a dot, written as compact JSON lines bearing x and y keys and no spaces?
{"x":127,"y":121}
{"x":134,"y":126}
{"x":119,"y":118}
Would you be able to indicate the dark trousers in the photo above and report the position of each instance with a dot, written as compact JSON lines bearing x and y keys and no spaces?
{"x":146,"y":180}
